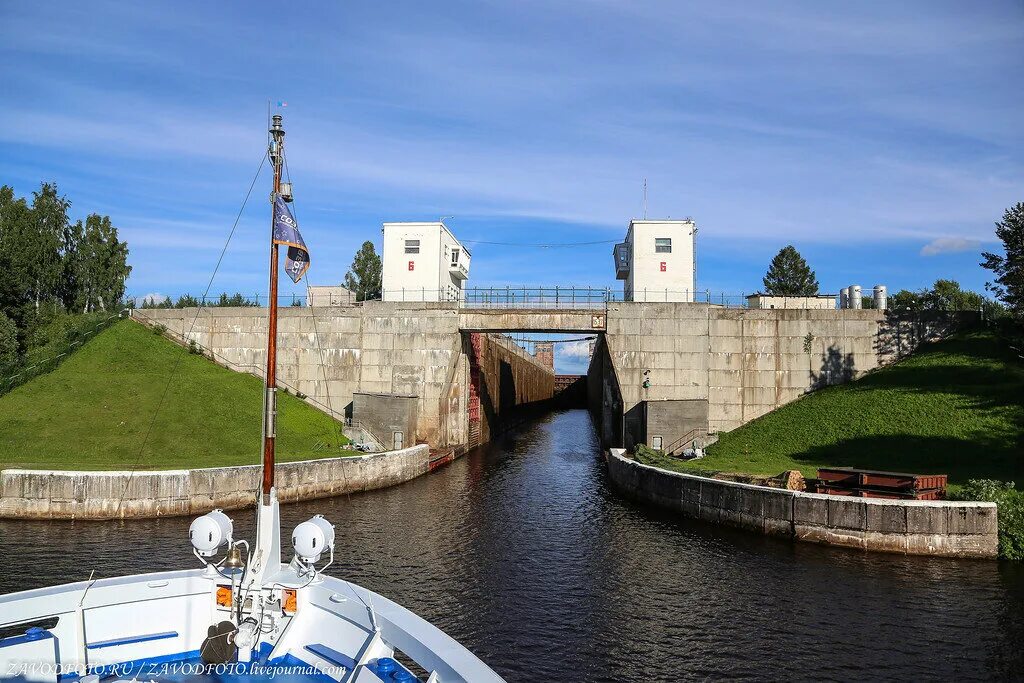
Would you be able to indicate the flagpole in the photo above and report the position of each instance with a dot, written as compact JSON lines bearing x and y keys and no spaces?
{"x":270,"y":401}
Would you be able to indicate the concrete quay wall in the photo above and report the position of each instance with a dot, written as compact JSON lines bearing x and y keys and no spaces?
{"x":913,"y":527}
{"x":55,"y":494}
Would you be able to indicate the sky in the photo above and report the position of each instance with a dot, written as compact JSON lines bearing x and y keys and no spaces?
{"x":881,"y":139}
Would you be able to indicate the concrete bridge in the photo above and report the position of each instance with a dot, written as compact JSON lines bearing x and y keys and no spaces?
{"x":532,"y":320}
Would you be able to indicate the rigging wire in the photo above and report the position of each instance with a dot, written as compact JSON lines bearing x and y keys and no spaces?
{"x":177,"y":363}
{"x":553,"y":245}
{"x":316,"y":335}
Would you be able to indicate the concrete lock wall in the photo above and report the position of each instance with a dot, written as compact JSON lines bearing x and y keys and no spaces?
{"x":328,"y":354}
{"x":510,"y":383}
{"x":743,"y":362}
{"x":45,"y":494}
{"x":914,"y":527}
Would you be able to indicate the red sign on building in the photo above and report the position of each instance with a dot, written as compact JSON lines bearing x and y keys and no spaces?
{"x":412,"y":265}
{"x":662,"y":267}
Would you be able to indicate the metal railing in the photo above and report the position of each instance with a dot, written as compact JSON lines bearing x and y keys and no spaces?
{"x":42,"y":366}
{"x":497,"y":296}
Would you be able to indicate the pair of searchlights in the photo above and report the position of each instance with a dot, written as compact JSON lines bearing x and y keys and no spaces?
{"x":310,"y":539}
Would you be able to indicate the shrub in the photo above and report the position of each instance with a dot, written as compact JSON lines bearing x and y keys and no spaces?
{"x":648,"y":456}
{"x":1011,"y":512}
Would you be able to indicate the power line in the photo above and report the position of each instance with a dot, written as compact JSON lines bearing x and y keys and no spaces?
{"x":540,"y":246}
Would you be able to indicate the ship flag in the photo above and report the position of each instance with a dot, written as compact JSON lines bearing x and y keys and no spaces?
{"x":286,"y":233}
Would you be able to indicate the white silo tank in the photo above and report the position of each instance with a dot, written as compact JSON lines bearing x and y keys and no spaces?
{"x":881,"y":296}
{"x":855,"y":296}
{"x":844,"y":298}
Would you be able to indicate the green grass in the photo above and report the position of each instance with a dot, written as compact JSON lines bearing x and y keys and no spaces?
{"x":94,"y":410}
{"x":956,"y":407}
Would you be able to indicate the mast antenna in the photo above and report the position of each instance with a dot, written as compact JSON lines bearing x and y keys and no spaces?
{"x":645,"y":198}
{"x":276,"y":154}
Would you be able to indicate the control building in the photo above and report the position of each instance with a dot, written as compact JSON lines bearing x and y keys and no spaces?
{"x":657,"y":260}
{"x":423,"y":262}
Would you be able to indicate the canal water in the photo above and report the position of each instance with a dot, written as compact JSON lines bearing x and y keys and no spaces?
{"x":523,"y":553}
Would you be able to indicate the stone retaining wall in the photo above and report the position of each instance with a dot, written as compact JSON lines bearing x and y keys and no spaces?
{"x":914,"y":527}
{"x":55,"y":494}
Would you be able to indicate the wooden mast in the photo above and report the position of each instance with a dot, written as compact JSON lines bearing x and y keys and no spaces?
{"x":270,"y":400}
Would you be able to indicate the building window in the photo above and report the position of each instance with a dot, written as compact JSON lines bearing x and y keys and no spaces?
{"x":662,"y":245}
{"x":656,"y":442}
{"x":412,"y":246}
{"x":455,"y":257}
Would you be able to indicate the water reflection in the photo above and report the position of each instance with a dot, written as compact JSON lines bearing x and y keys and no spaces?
{"x":523,"y":553}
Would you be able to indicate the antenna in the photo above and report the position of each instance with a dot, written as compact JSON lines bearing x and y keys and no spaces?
{"x":645,"y":198}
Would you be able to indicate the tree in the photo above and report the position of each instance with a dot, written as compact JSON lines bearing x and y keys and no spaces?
{"x":944,"y":295}
{"x":365,"y":276}
{"x":42,"y":246}
{"x":1009,"y":267}
{"x":15,"y":298}
{"x":187,"y":301}
{"x":103,"y":264}
{"x":789,"y":275}
{"x":905,"y":300}
{"x":8,"y":345}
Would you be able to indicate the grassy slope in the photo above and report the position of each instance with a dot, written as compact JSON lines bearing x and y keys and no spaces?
{"x":956,"y":407}
{"x":93,"y":411}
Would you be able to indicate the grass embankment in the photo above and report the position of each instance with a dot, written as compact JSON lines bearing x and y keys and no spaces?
{"x":94,"y":410}
{"x":955,"y":407}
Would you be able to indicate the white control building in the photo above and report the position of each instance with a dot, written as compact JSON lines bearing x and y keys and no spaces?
{"x":658,"y":260}
{"x":423,"y":262}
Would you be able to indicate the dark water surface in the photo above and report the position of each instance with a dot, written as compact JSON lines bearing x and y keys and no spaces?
{"x":522,"y":552}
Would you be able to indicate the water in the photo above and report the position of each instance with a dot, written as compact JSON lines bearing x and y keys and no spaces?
{"x":522,"y":552}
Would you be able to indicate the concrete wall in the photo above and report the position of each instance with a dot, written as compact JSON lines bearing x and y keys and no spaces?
{"x":745,"y":363}
{"x":384,"y":415}
{"x":378,"y":347}
{"x":678,"y":423}
{"x":511,"y":382}
{"x":42,"y":494}
{"x":942,"y":528}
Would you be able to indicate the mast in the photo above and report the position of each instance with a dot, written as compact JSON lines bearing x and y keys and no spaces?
{"x":276,"y":153}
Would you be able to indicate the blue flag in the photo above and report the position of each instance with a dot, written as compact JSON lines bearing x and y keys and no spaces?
{"x":286,"y":232}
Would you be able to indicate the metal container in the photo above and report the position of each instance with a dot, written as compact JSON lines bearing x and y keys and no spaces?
{"x":881,"y":296}
{"x":855,"y":297}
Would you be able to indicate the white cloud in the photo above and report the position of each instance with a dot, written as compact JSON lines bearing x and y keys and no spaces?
{"x":576,"y":349}
{"x":154,"y":298}
{"x":948,"y":245}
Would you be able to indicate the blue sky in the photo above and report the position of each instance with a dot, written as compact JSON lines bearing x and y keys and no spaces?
{"x":882,"y":139}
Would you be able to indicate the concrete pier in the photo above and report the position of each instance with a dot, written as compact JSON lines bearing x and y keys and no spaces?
{"x":57,"y":494}
{"x":914,"y":527}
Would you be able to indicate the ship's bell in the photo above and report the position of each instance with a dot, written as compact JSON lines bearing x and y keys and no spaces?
{"x":234,"y":560}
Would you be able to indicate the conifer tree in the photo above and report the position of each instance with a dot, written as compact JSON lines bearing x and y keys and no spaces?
{"x":364,"y":279}
{"x":789,"y":275}
{"x":1008,"y":267}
